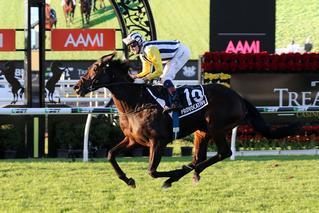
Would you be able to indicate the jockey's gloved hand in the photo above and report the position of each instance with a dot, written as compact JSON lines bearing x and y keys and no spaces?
{"x":148,"y":82}
{"x":133,"y":75}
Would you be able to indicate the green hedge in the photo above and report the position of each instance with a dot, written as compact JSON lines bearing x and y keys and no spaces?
{"x":103,"y":134}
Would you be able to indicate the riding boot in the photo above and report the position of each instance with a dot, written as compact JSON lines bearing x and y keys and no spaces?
{"x":175,"y":100}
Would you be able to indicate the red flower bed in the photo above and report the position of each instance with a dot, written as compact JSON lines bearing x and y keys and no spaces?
{"x":307,"y":134}
{"x":245,"y":129}
{"x":259,"y":62}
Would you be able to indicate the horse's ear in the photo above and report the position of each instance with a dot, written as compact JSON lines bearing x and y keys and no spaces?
{"x":108,"y":57}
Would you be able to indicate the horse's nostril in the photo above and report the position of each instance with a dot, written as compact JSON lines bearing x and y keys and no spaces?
{"x":76,"y":87}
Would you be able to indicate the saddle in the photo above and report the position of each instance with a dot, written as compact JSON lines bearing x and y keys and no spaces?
{"x":192,"y":98}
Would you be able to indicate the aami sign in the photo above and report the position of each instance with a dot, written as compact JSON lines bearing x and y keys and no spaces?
{"x":242,"y":26}
{"x":7,"y":40}
{"x":82,"y":39}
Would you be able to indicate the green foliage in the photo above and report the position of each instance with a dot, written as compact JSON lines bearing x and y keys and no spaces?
{"x":9,"y":137}
{"x":251,"y":184}
{"x":70,"y":134}
{"x":104,"y":135}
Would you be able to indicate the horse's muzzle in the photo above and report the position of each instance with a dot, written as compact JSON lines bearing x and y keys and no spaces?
{"x":79,"y":91}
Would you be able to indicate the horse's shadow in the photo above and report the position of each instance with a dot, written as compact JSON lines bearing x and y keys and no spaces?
{"x":16,"y":88}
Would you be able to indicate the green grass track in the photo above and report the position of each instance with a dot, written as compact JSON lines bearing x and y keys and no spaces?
{"x":251,"y":184}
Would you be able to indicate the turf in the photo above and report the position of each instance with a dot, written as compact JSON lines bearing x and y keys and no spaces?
{"x":251,"y":184}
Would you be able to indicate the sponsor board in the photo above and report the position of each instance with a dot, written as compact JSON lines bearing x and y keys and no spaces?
{"x":83,"y":39}
{"x":251,"y":31}
{"x":7,"y":40}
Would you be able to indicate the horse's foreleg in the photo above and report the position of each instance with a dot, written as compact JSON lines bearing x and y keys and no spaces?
{"x":223,"y":151}
{"x":124,"y":144}
{"x":156,"y":151}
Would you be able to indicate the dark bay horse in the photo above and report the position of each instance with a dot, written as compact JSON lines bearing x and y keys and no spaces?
{"x":143,"y":122}
{"x":85,"y":11}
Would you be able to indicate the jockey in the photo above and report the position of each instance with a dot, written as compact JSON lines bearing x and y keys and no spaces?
{"x":173,"y":54}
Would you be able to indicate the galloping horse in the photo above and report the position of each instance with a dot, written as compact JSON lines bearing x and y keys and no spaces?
{"x":68,"y":10}
{"x":85,"y":11}
{"x":9,"y":74}
{"x":143,"y":122}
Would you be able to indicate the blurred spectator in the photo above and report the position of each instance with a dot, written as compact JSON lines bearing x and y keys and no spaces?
{"x":293,"y":47}
{"x":308,"y":44}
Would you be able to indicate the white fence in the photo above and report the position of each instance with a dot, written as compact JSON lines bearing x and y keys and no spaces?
{"x":110,"y":110}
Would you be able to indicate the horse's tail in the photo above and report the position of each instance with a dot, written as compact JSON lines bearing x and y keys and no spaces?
{"x":255,"y":119}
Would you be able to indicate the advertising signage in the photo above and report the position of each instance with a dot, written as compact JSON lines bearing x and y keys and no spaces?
{"x":7,"y":40}
{"x":83,"y":39}
{"x":280,"y":89}
{"x":245,"y":26}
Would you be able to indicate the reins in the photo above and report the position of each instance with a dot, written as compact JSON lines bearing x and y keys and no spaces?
{"x":137,"y":109}
{"x":116,"y":84}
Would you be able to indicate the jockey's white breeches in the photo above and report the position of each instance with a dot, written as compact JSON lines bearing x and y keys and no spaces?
{"x":176,"y":63}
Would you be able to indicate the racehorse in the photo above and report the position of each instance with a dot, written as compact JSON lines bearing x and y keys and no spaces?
{"x":57,"y":71}
{"x":9,"y":74}
{"x":85,"y":11}
{"x":68,"y":10}
{"x":143,"y":122}
{"x":50,"y":17}
{"x":102,"y":4}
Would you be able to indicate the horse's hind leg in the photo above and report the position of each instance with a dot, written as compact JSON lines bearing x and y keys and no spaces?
{"x":223,"y":151}
{"x":200,"y":151}
{"x":124,"y":144}
{"x":15,"y":98}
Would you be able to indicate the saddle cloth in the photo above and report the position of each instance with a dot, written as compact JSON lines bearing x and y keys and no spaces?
{"x":192,"y":98}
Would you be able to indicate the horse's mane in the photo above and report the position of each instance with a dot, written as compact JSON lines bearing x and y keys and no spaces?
{"x":121,"y":66}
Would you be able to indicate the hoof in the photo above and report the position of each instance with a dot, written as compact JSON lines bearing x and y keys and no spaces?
{"x":131,"y":183}
{"x":196,"y":179}
{"x":166,"y":185}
